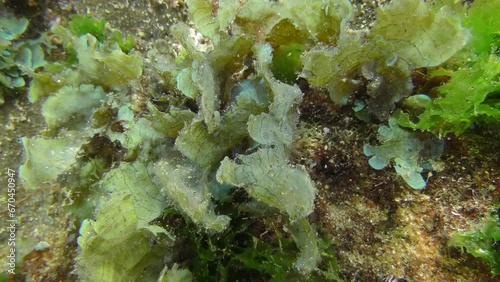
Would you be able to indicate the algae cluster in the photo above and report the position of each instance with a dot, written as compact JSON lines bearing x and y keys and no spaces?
{"x":19,"y":58}
{"x":209,"y":164}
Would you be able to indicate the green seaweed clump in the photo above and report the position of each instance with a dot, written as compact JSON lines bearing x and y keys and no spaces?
{"x":407,"y":35}
{"x":84,"y":24}
{"x":468,"y":95}
{"x":171,"y":156}
{"x":410,"y":154}
{"x":18,"y":58}
{"x":128,"y":247}
{"x":471,"y":96}
{"x":482,"y":241}
{"x":76,"y":100}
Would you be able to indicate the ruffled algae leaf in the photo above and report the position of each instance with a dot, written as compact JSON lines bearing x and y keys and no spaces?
{"x":82,"y":24}
{"x":185,"y":83}
{"x":205,"y":77}
{"x":71,"y":106}
{"x":148,"y":201}
{"x":142,"y":140}
{"x":482,"y":19}
{"x":201,"y":13}
{"x":126,"y":45}
{"x":417,"y":34}
{"x":18,"y":59}
{"x":226,"y":12}
{"x":321,"y":19}
{"x":202,"y":147}
{"x":29,"y":58}
{"x":11,"y":28}
{"x":287,"y":63}
{"x":257,"y":18}
{"x":112,"y":248}
{"x":268,"y":178}
{"x":213,"y":20}
{"x":186,"y":186}
{"x":229,"y":56}
{"x":169,"y":123}
{"x":207,"y":149}
{"x":304,"y":236}
{"x":47,"y":82}
{"x":482,"y":241}
{"x":191,"y":49}
{"x":465,"y":99}
{"x":208,"y":77}
{"x":47,"y":158}
{"x":105,"y":67}
{"x":277,"y":126}
{"x":330,"y":66}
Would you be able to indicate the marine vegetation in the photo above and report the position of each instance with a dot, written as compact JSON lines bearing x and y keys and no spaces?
{"x":184,"y":162}
{"x":482,"y":240}
{"x":18,"y":58}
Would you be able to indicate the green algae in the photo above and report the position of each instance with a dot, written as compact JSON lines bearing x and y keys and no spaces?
{"x":61,"y":152}
{"x":217,"y":149}
{"x":186,"y":187}
{"x":268,"y":178}
{"x":473,"y":78}
{"x":409,"y":152}
{"x":481,"y":241}
{"x":19,"y":58}
{"x":122,"y":240}
{"x":71,"y":106}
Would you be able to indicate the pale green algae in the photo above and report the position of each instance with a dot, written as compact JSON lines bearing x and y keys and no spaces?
{"x":239,"y":136}
{"x":407,"y":35}
{"x":72,"y":106}
{"x":46,"y":158}
{"x":410,"y":154}
{"x":113,"y":248}
{"x":173,"y":176}
{"x":19,"y":58}
{"x":187,"y":188}
{"x":268,"y":178}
